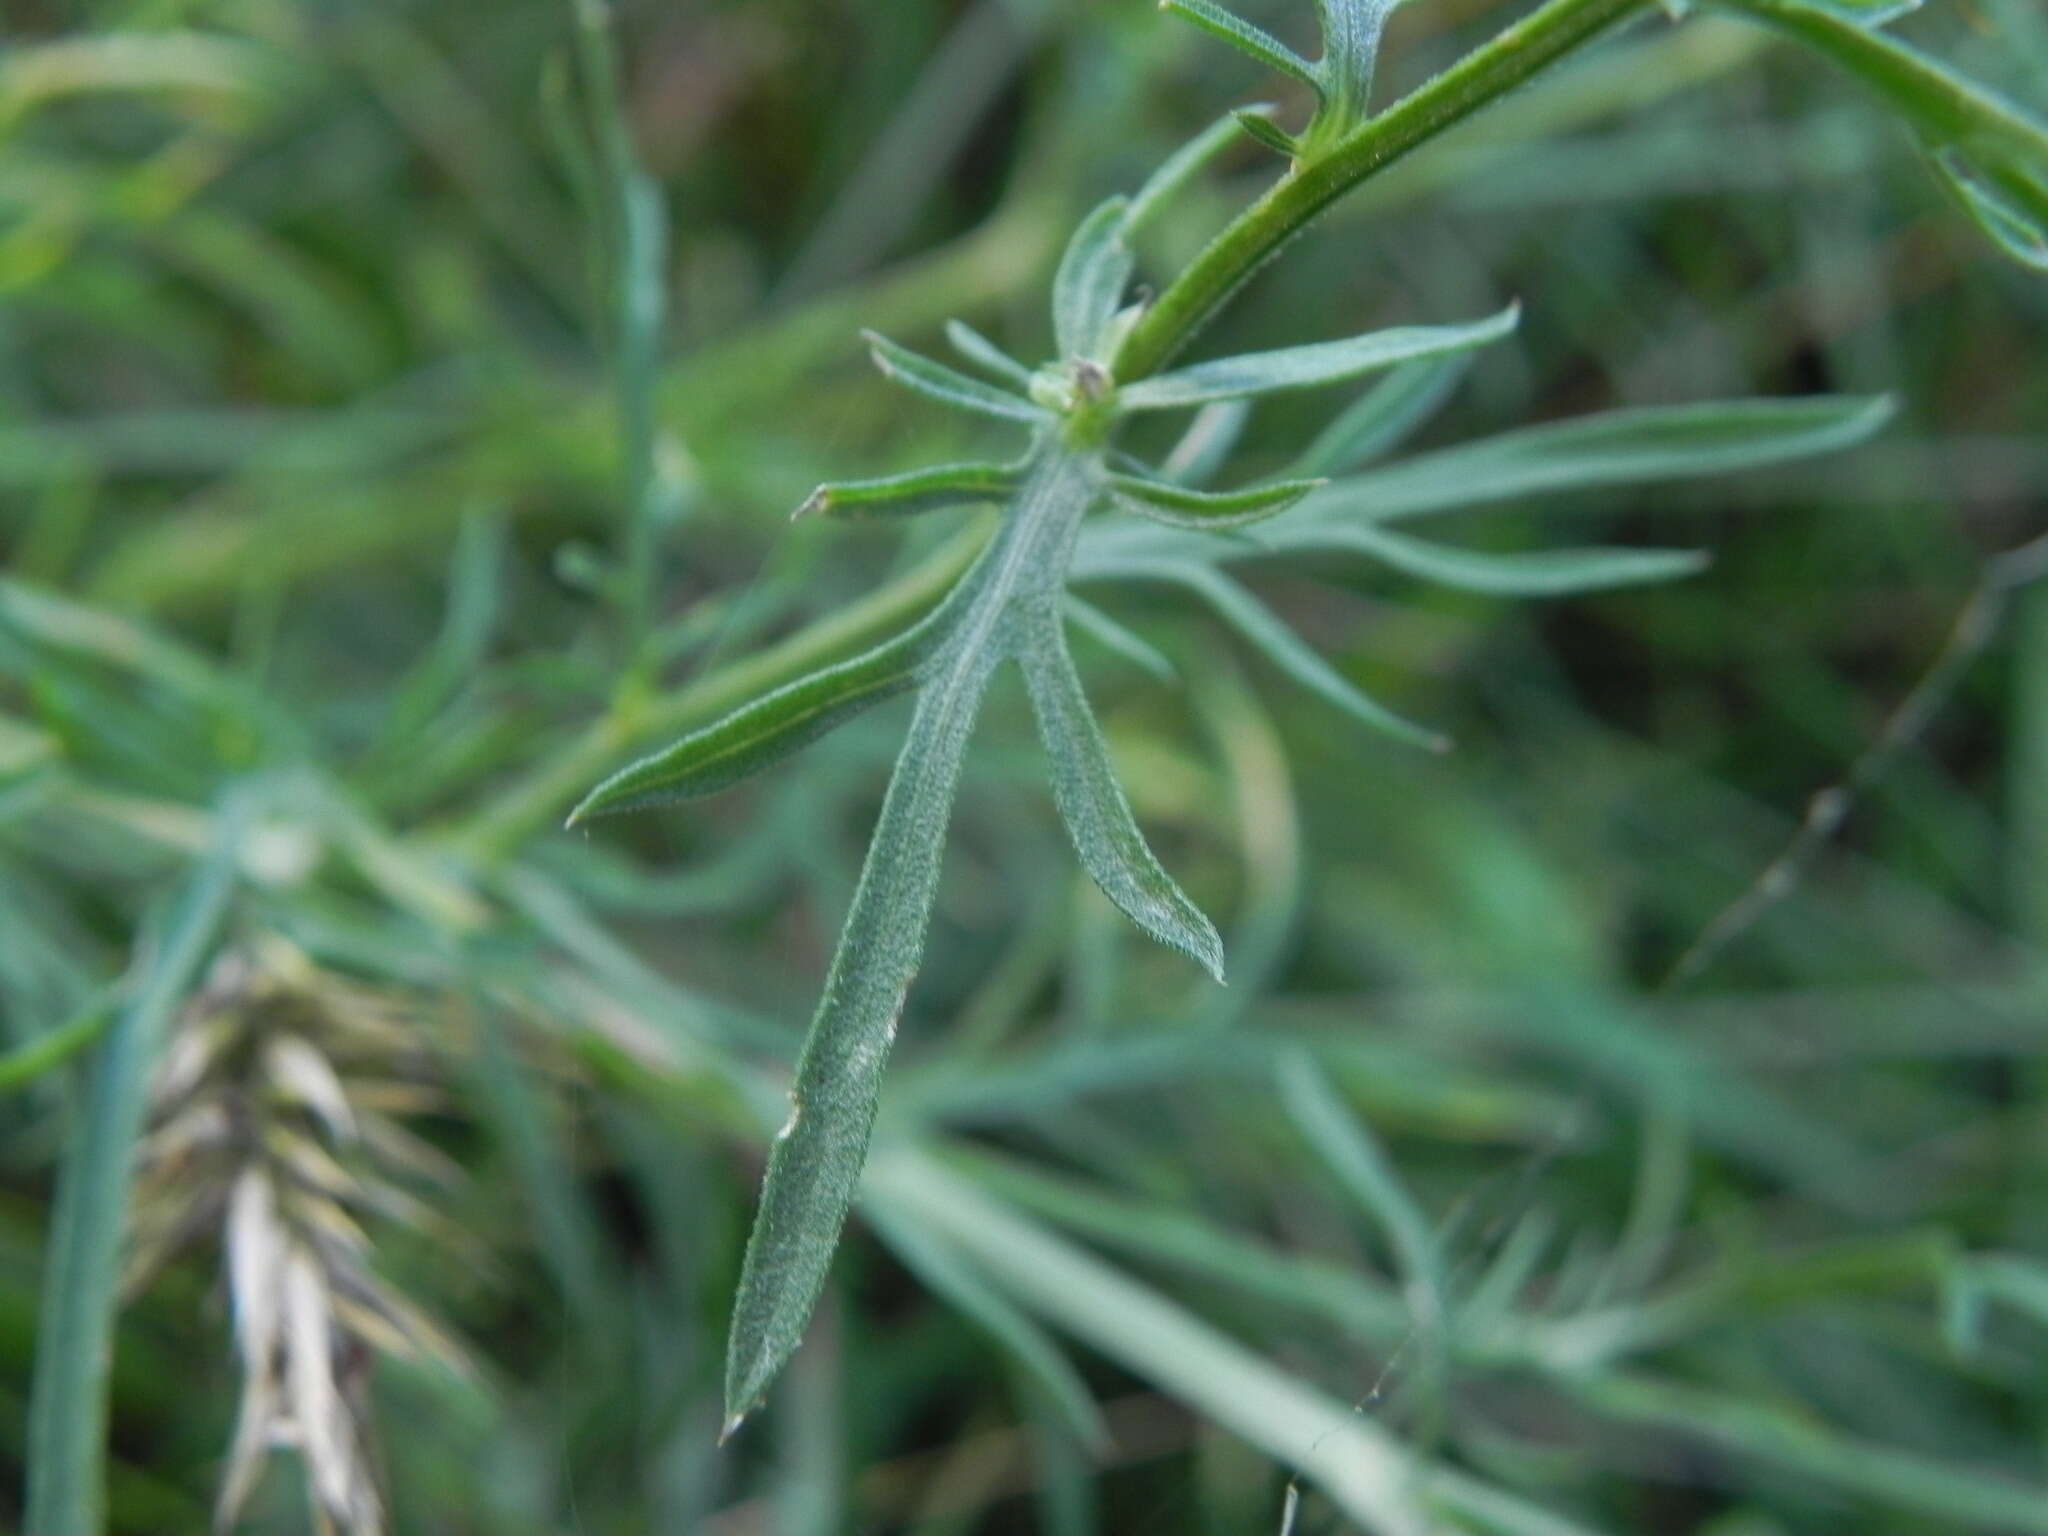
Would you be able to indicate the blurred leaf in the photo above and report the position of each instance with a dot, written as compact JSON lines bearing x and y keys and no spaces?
{"x":1533,"y":573}
{"x":1381,"y":418}
{"x":977,"y":348}
{"x":1116,"y":637}
{"x":1252,"y":41}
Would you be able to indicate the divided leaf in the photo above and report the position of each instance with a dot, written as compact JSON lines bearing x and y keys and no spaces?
{"x":919,"y":490}
{"x":1286,"y":650}
{"x":948,"y":386}
{"x":1179,"y":507}
{"x":1325,"y":362}
{"x":1092,"y":803}
{"x":1089,"y":285}
{"x":771,"y":728}
{"x":1532,"y":573}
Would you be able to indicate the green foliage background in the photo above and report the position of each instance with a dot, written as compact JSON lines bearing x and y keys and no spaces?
{"x":312,"y":508}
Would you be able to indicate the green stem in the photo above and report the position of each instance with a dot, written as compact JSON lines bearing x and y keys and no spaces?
{"x":1483,"y":75}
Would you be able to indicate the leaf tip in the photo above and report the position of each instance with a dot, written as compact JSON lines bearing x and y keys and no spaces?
{"x":731,"y":1426}
{"x":818,"y":501}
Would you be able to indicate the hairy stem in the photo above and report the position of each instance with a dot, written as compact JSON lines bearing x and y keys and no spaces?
{"x":1256,"y":235}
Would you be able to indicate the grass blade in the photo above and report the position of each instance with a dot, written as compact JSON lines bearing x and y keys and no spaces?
{"x":1091,"y":802}
{"x":1323,"y":362}
{"x":75,"y":1330}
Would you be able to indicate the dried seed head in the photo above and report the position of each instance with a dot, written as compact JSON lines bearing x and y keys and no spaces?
{"x":273,"y":1133}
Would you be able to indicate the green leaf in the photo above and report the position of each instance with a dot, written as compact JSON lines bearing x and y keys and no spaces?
{"x":67,"y":1421}
{"x":1533,"y":573}
{"x":1178,"y":169}
{"x":1247,"y":39}
{"x":1257,"y":123}
{"x":1381,"y":418}
{"x":1179,"y":507}
{"x":1990,"y":152}
{"x":815,"y":1162}
{"x":1094,"y":270}
{"x":1610,"y":448}
{"x":955,"y":1280}
{"x":919,"y":490}
{"x":1205,"y":447}
{"x":1351,"y":46}
{"x":1281,"y":646}
{"x":978,"y":349}
{"x":1092,"y":803}
{"x":776,"y":725}
{"x":947,"y":386}
{"x":1325,"y":362}
{"x":1112,"y":635}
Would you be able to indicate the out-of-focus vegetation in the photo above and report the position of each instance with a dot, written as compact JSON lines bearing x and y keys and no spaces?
{"x":342,"y":350}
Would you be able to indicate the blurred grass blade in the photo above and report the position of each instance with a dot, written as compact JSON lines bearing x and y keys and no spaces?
{"x":1092,"y":804}
{"x":918,"y":490}
{"x":1380,"y":419}
{"x":1992,"y":152}
{"x":1093,"y":273}
{"x":1609,"y":448}
{"x":33,"y":1060}
{"x":1323,"y":362}
{"x":1286,"y":650}
{"x":67,"y":1423}
{"x":1178,"y":507}
{"x":1252,"y":41}
{"x":954,"y":1280}
{"x":978,"y":349}
{"x":1134,"y":648}
{"x":1531,"y":573}
{"x":949,"y":387}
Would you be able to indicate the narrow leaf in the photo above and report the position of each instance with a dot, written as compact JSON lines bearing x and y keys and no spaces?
{"x":1324,"y":362}
{"x":947,"y":386}
{"x":1285,"y":649}
{"x":1099,"y":626}
{"x":815,"y":1163}
{"x":919,"y":490}
{"x":1092,"y":803}
{"x":1379,"y":420}
{"x":982,"y":352}
{"x":1257,"y":123}
{"x":67,"y":1419}
{"x":1534,"y":573}
{"x":1205,"y":447}
{"x":1610,"y":448}
{"x":1179,"y":507}
{"x":1990,"y":151}
{"x":775,"y":726}
{"x":1351,"y":46}
{"x":1093,"y":273}
{"x":954,"y":1279}
{"x":1178,"y":169}
{"x":1246,"y":39}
